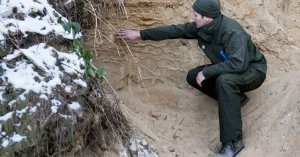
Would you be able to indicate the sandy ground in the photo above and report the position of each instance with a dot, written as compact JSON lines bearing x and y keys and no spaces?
{"x":184,"y":122}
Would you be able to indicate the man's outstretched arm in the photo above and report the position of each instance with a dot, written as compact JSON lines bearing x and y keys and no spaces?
{"x":186,"y":31}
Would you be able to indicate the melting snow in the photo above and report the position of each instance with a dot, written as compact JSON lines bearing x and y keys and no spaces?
{"x":55,"y":102}
{"x":74,"y":106}
{"x":21,"y":112}
{"x":6,"y":117}
{"x":51,"y":63}
{"x":80,"y":82}
{"x":16,"y":138}
{"x":5,"y":143}
{"x":68,"y":89}
{"x":42,"y":25}
{"x":12,"y":102}
{"x":55,"y":105}
{"x":54,"y":109}
{"x":43,"y":96}
{"x":65,"y":116}
{"x":2,"y":88}
{"x":32,"y":109}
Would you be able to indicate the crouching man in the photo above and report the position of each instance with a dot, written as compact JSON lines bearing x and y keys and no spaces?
{"x":237,"y":65}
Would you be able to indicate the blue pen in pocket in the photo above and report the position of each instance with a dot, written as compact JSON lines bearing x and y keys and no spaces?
{"x":223,"y":55}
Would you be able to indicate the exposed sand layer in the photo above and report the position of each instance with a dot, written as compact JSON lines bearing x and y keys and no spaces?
{"x":185,"y":121}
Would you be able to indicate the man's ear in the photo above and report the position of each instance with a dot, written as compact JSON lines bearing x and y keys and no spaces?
{"x":208,"y":19}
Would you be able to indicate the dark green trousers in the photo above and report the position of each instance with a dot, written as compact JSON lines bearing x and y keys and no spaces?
{"x":228,"y":89}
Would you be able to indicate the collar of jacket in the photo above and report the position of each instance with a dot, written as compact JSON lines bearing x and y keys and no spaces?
{"x":207,"y":32}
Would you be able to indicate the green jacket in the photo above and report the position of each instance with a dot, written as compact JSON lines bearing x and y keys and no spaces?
{"x":223,"y":34}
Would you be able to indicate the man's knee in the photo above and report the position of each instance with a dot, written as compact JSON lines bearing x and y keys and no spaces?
{"x":191,"y":77}
{"x":224,"y":80}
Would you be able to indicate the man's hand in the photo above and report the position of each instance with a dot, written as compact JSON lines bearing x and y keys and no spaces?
{"x":129,"y":35}
{"x":200,"y":77}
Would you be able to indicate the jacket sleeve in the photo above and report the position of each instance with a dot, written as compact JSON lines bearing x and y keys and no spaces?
{"x":186,"y":31}
{"x":238,"y":57}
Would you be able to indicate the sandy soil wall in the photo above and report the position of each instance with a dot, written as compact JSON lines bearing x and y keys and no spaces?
{"x":188,"y":120}
{"x":274,"y":26}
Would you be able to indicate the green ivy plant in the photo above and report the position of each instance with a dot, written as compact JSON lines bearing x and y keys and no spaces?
{"x":75,"y":28}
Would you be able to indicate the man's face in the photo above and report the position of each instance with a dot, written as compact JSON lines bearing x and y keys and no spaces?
{"x":200,"y":20}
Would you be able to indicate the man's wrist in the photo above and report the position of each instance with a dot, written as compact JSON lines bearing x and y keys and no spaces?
{"x":139,"y":35}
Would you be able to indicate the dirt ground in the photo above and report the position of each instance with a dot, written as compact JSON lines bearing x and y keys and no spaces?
{"x":180,"y":120}
{"x":185,"y":122}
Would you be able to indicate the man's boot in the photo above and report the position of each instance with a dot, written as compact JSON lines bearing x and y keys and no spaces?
{"x":230,"y":149}
{"x":244,"y":100}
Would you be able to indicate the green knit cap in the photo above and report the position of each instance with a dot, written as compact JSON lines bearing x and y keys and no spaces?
{"x":208,"y":8}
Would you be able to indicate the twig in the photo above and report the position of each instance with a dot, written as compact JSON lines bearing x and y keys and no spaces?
{"x":181,"y":121}
{"x":110,"y":41}
{"x":46,"y":121}
{"x":147,"y":69}
{"x":135,"y":60}
{"x":140,"y":73}
{"x":96,"y":27}
{"x":7,"y":63}
{"x":61,"y":151}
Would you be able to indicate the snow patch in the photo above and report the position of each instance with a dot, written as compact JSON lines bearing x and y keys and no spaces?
{"x":23,"y":75}
{"x":65,"y":116}
{"x":12,"y":102}
{"x":32,"y":109}
{"x":21,"y":112}
{"x":42,"y":25}
{"x":55,"y":102}
{"x":2,"y":88}
{"x":5,"y":143}
{"x":54,"y":109}
{"x":74,"y":106}
{"x":16,"y":138}
{"x":68,"y":89}
{"x":80,"y":82}
{"x":43,"y":96}
{"x":6,"y":117}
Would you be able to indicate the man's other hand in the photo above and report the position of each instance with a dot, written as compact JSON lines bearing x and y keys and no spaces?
{"x":129,"y":35}
{"x":200,"y":77}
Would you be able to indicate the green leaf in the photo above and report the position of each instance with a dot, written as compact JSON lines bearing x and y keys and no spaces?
{"x":75,"y":76}
{"x":89,"y":55}
{"x":76,"y":27}
{"x":81,"y":53}
{"x":77,"y":43}
{"x":68,"y":27}
{"x":100,"y":73}
{"x":91,"y":72}
{"x":77,"y":48}
{"x":60,"y":21}
{"x":1,"y":71}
